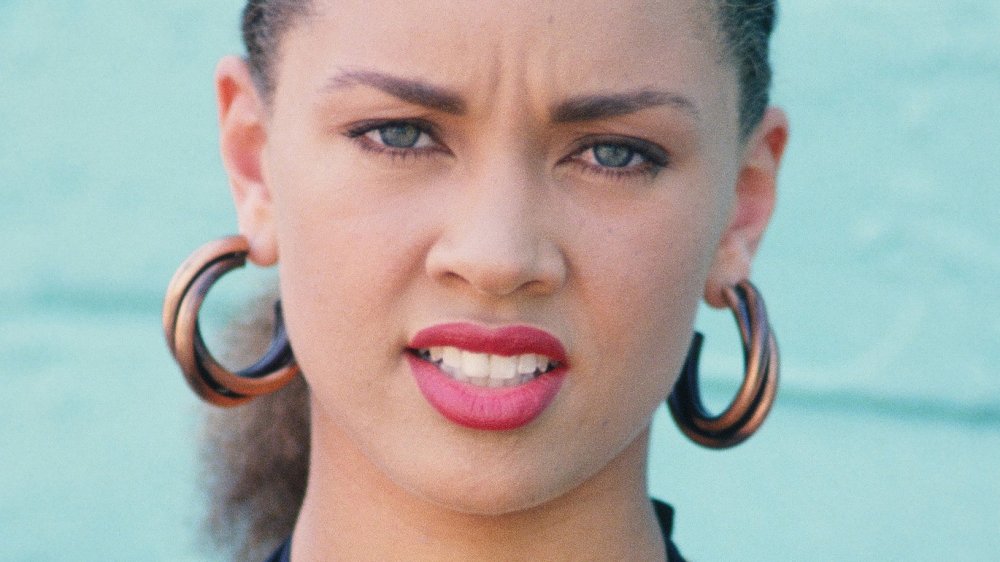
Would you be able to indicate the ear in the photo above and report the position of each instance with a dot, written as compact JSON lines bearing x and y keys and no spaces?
{"x":243,"y":135}
{"x":756,"y":184}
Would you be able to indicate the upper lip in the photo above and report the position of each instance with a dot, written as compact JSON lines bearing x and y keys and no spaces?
{"x":504,"y":340}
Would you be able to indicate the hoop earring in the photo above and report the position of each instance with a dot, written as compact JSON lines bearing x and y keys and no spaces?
{"x":748,"y":410}
{"x":207,"y":377}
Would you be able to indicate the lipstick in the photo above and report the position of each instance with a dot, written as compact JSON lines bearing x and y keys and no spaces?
{"x":493,"y":379}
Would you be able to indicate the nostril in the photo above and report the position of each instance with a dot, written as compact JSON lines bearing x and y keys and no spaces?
{"x":495,"y":281}
{"x":490,"y":277}
{"x":497,"y":247}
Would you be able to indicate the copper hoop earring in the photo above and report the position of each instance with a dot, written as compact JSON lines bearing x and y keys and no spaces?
{"x":752,"y":403}
{"x":207,"y":377}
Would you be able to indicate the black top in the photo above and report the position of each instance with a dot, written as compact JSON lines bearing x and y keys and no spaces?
{"x":664,"y":514}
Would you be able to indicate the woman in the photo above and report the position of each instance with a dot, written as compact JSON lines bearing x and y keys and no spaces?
{"x":493,"y":223}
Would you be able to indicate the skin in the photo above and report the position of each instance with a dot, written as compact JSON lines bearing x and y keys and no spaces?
{"x":503,"y":217}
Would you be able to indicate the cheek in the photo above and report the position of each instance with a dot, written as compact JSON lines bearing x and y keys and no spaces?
{"x":640,"y":286}
{"x":343,"y":261}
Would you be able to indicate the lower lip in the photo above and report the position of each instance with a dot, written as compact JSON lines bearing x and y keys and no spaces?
{"x":486,"y":408}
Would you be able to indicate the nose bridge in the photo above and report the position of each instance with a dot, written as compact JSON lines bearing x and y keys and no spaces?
{"x":503,"y":199}
{"x":505,"y":219}
{"x":495,"y":237}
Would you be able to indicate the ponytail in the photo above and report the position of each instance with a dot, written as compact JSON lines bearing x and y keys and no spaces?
{"x":255,"y":457}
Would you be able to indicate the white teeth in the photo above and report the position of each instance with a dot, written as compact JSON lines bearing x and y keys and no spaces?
{"x":526,"y":364}
{"x":483,"y":369}
{"x":451,"y":363}
{"x":475,"y":365}
{"x":503,"y":368}
{"x":451,"y":358}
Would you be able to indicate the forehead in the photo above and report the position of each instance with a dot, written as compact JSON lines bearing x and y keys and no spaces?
{"x":444,"y":30}
{"x":561,"y":47}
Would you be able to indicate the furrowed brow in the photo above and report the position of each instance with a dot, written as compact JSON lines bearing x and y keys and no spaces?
{"x":409,"y":90}
{"x":595,"y":107}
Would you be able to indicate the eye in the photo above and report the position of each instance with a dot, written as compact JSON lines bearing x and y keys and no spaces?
{"x":400,"y":135}
{"x":397,"y":138}
{"x":614,"y":155}
{"x":619,"y":157}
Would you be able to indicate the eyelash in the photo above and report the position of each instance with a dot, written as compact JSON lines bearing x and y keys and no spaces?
{"x":654,"y":158}
{"x":359,"y":134}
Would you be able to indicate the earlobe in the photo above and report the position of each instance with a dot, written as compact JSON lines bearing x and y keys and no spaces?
{"x":756,"y":185}
{"x":243,"y":135}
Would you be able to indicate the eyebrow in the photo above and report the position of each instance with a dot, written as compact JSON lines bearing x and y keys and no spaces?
{"x":408,"y":90}
{"x":595,"y":107}
{"x":581,"y":108}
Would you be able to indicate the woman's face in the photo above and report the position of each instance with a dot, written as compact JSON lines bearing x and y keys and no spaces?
{"x":564,"y":166}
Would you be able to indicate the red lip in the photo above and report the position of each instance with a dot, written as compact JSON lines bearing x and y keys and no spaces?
{"x":476,"y":407}
{"x":507,"y":340}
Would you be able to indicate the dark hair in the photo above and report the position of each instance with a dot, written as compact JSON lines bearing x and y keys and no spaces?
{"x":264,"y":24}
{"x":256,"y":456}
{"x":746,"y":26}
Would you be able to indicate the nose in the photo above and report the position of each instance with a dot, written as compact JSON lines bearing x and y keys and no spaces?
{"x":498,"y":238}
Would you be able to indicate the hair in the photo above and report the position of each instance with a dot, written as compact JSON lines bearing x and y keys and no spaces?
{"x":746,"y":27}
{"x":263,"y":25}
{"x":256,"y":456}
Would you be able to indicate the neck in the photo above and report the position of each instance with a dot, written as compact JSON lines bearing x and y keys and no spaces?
{"x":353,"y":511}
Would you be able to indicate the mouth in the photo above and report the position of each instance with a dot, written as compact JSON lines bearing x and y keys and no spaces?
{"x":482,"y":378}
{"x":486,"y":369}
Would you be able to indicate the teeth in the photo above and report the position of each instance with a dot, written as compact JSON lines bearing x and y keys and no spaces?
{"x":483,"y":369}
{"x":475,"y":365}
{"x":451,"y":363}
{"x":526,"y":364}
{"x":503,"y":368}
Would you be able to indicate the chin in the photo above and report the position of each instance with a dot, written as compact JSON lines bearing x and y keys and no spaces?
{"x":491,"y":498}
{"x":513,"y":485}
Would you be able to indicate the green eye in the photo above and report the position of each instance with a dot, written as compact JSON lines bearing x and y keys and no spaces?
{"x":401,"y":135}
{"x":613,"y":155}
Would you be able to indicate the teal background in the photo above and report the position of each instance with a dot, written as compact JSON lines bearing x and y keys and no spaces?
{"x":879,"y":272}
